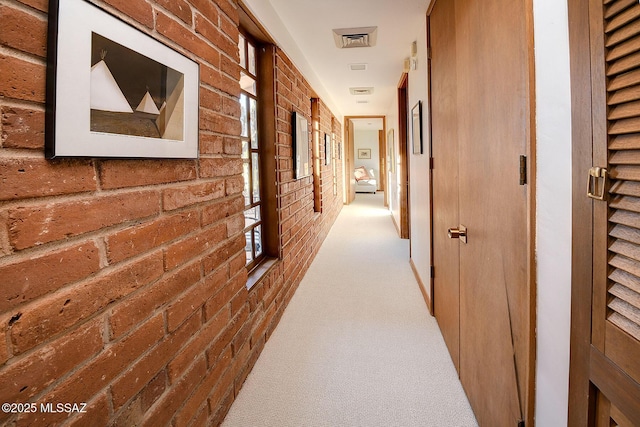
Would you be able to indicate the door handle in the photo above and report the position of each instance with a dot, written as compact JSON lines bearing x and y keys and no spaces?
{"x":458,"y":233}
{"x":597,"y":183}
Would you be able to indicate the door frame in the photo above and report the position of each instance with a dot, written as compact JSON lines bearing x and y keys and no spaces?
{"x":403,"y":155}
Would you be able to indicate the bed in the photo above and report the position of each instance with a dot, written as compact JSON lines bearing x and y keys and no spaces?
{"x":365,"y":180}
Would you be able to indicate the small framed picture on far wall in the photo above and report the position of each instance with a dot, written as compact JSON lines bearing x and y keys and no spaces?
{"x":364,"y":153}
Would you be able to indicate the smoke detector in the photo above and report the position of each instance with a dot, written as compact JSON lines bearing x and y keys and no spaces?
{"x":355,"y":37}
{"x":361,"y":90}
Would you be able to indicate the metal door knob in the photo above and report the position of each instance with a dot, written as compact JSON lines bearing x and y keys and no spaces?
{"x":458,"y":233}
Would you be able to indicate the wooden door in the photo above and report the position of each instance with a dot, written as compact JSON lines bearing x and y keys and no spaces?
{"x":612,"y":349}
{"x":485,"y":76}
{"x":444,"y":175}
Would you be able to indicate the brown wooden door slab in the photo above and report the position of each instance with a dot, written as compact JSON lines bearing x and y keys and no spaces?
{"x":444,"y":150}
{"x":481,"y":97}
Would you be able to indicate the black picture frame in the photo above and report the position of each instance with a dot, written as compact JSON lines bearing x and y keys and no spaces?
{"x":114,"y":91}
{"x":301,"y":146}
{"x":327,"y":149}
{"x":416,"y":128}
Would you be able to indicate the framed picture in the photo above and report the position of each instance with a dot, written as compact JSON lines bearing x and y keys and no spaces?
{"x":302,"y":160}
{"x":391,"y":157}
{"x":416,"y":128}
{"x":364,"y":153}
{"x":327,"y":149}
{"x":114,"y":91}
{"x":339,"y":151}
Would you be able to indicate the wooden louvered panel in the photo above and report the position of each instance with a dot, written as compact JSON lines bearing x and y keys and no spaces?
{"x":622,"y":81}
{"x":627,"y":249}
{"x":625,"y":233}
{"x":625,"y":126}
{"x":626,"y":218}
{"x":623,"y":34}
{"x":627,"y":279}
{"x":626,"y":172}
{"x":625,"y":324}
{"x":624,"y":142}
{"x":627,"y":188}
{"x":625,"y":157}
{"x":624,"y":95}
{"x":623,"y":49}
{"x":625,"y":294}
{"x":622,"y":19}
{"x":627,"y":203}
{"x":617,"y":7}
{"x":622,"y":28}
{"x":624,"y":111}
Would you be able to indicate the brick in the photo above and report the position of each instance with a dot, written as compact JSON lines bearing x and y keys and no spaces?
{"x":175,"y":198}
{"x":179,"y":8}
{"x":30,"y":278}
{"x":210,"y":99}
{"x":4,"y":350}
{"x":36,"y":225}
{"x":211,"y":144}
{"x":131,"y":415}
{"x":215,"y":259}
{"x":220,"y":299}
{"x":222,"y":209}
{"x":139,"y":10}
{"x":239,"y":341}
{"x":116,"y":357}
{"x":216,"y":37}
{"x":220,"y":409}
{"x":215,"y":122}
{"x":195,"y":348}
{"x":22,"y":128}
{"x":231,"y":67}
{"x":207,"y":8}
{"x":131,"y":311}
{"x":49,"y":316}
{"x":97,"y":413}
{"x":192,"y":300}
{"x":241,"y":298}
{"x":22,"y":80}
{"x":28,"y":376}
{"x":165,"y":408}
{"x":33,"y":177}
{"x":214,"y":378}
{"x":231,"y":107}
{"x":137,"y":240}
{"x":175,"y":31}
{"x":132,"y":173}
{"x":138,"y":375}
{"x":235,"y":225}
{"x":219,"y":167}
{"x":229,"y":9}
{"x":218,"y":80}
{"x":182,"y":251}
{"x":224,"y":340}
{"x":23,"y":31}
{"x":200,"y":419}
{"x":232,"y":146}
{"x":234,"y":185}
{"x":152,"y":392}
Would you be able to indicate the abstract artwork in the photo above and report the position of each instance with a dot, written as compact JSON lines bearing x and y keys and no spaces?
{"x":113,"y":91}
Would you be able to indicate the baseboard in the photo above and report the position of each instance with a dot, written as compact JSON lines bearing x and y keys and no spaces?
{"x":423,"y":289}
{"x":395,"y":224}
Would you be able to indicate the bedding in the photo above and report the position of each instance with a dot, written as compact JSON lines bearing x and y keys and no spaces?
{"x":365,"y":180}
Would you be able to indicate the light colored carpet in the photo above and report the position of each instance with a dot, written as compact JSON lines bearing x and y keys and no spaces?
{"x":356,"y":346}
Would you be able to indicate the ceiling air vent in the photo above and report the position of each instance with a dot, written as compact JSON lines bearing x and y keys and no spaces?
{"x":361,"y":90}
{"x":355,"y":37}
{"x":362,"y":101}
{"x":358,"y":67}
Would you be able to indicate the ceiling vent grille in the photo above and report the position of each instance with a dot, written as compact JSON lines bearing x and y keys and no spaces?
{"x":355,"y":37}
{"x":361,"y":90}
{"x":358,"y":67}
{"x":362,"y":101}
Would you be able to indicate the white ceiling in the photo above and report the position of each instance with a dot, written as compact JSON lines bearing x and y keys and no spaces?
{"x":303,"y":29}
{"x":367,"y":124}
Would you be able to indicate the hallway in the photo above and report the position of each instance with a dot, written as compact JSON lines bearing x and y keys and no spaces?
{"x":356,"y":346}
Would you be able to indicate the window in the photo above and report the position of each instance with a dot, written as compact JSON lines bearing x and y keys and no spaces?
{"x":251,"y":153}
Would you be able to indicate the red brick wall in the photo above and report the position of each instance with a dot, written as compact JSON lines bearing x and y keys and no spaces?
{"x":122,"y":282}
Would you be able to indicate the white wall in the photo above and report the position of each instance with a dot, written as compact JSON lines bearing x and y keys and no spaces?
{"x":420,"y":221}
{"x":553,"y":213}
{"x":367,"y":139}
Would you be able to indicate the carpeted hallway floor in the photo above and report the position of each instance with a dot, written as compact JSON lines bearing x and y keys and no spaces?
{"x":356,"y":346}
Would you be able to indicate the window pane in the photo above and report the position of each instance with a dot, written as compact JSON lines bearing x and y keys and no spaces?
{"x":243,"y":59}
{"x":252,"y":60}
{"x":245,"y":149}
{"x":253,"y":114}
{"x":248,"y":247}
{"x":247,"y":83}
{"x":251,"y":216}
{"x":256,"y":177}
{"x":244,"y":115}
{"x":245,"y":175}
{"x":257,"y":235}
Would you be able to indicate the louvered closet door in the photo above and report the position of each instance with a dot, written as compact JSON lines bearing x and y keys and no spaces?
{"x":615,"y":356}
